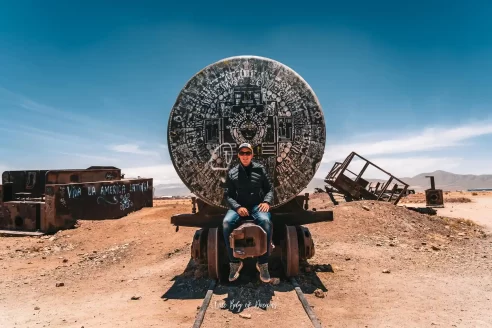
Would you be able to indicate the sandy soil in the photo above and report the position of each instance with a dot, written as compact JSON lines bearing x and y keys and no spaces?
{"x":479,"y":209}
{"x":439,"y":274}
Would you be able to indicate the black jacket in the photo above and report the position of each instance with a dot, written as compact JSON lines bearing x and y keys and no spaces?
{"x":243,"y":190}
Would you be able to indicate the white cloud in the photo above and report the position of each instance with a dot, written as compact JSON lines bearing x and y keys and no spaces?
{"x":162,"y":174}
{"x":132,"y":149}
{"x":407,"y":166}
{"x":427,"y":139}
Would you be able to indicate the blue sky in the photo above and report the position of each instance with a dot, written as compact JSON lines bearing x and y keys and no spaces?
{"x":92,"y":82}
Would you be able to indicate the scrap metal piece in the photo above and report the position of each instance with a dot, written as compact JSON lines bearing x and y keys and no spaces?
{"x":198,"y":245}
{"x":248,"y":240}
{"x":21,"y":216}
{"x":27,"y":184}
{"x":423,"y":210}
{"x":433,"y":197}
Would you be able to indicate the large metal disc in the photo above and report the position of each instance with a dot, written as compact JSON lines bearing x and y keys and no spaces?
{"x":246,"y":99}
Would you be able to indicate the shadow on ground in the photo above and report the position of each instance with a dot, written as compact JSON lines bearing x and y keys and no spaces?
{"x":248,"y":290}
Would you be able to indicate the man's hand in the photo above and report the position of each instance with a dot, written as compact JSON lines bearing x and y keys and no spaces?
{"x":242,"y":211}
{"x":263,"y":207}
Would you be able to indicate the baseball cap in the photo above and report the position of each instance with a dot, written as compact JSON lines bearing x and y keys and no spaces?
{"x":245,"y":145}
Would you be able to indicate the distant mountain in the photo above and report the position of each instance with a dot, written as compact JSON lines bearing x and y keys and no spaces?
{"x":450,"y":181}
{"x":175,"y":189}
{"x":443,"y":180}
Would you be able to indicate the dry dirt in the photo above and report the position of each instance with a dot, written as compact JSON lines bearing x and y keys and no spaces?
{"x":439,"y":274}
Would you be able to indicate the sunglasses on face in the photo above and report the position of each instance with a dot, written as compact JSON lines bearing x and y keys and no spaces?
{"x":244,"y":153}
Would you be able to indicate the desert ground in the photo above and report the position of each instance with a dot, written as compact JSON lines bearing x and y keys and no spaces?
{"x":377,"y":265}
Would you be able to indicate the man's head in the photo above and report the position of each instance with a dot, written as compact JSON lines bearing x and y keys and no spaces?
{"x":245,"y":153}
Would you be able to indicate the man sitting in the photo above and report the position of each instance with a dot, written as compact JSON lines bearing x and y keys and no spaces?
{"x":248,"y":192}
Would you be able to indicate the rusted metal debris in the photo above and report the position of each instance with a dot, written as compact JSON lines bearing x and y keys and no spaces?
{"x":433,"y":196}
{"x":354,"y":187}
{"x":423,"y":210}
{"x":50,"y":200}
{"x":248,"y":240}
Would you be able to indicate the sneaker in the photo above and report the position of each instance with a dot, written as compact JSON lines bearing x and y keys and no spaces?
{"x":263,"y":270}
{"x":234,"y":271}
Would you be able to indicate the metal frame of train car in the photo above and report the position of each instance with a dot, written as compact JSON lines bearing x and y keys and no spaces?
{"x":357,"y":189}
{"x":291,"y":240}
{"x":49,"y":200}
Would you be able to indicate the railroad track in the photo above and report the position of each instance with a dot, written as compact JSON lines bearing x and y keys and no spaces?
{"x":302,"y":299}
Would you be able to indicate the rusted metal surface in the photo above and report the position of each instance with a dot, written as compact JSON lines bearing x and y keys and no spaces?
{"x":95,"y":200}
{"x":215,"y":220}
{"x":433,"y":197}
{"x":213,"y":253}
{"x":306,"y":243}
{"x":199,"y":245}
{"x":49,"y":200}
{"x":290,"y":252}
{"x":26,"y":216}
{"x":354,"y":187}
{"x":81,"y":176}
{"x":248,"y":240}
{"x":29,"y":183}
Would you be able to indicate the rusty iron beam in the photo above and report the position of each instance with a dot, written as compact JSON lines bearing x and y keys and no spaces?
{"x":386,"y":185}
{"x":403,"y":183}
{"x":215,"y":220}
{"x":362,"y":171}
{"x":400,"y":195}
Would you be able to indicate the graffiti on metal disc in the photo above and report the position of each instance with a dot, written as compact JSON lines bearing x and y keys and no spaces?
{"x":246,"y":99}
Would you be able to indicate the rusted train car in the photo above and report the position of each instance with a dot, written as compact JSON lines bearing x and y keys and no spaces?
{"x":265,"y":103}
{"x":50,"y":200}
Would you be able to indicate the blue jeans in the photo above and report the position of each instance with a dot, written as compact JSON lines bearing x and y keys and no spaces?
{"x":232,"y":220}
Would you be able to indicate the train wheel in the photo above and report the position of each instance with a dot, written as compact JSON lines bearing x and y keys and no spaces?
{"x":290,"y":252}
{"x":213,"y":253}
{"x":306,"y":244}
